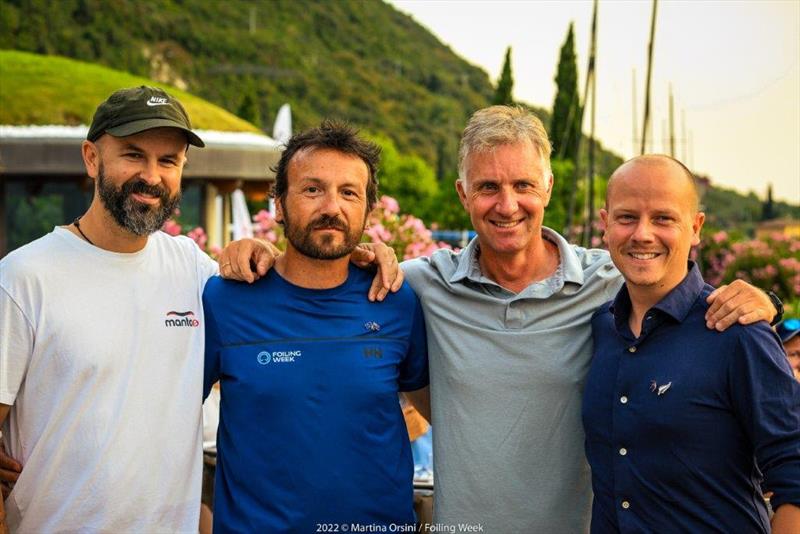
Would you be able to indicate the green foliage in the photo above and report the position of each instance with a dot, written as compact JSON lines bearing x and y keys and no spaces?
{"x":407,"y":178}
{"x":555,"y":216}
{"x":565,"y":125}
{"x":39,"y":89}
{"x":359,"y":60}
{"x":503,"y":94}
{"x":726,"y":209}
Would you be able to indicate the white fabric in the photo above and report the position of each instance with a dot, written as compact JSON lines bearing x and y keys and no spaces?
{"x":105,"y":393}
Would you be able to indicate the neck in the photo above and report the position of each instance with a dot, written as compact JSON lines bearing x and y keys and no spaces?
{"x":517,"y":271}
{"x":311,"y":273}
{"x":103,"y":232}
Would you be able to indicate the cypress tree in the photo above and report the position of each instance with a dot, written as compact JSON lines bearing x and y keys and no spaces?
{"x":505,"y":85}
{"x":565,"y":124}
{"x":768,"y":207}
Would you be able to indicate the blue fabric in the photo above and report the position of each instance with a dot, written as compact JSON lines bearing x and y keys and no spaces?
{"x":700,"y":415}
{"x":311,"y":430}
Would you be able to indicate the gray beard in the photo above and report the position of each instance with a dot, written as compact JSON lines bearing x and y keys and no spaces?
{"x":135,"y":217}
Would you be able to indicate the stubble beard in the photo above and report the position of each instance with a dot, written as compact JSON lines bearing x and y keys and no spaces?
{"x":303,"y":240}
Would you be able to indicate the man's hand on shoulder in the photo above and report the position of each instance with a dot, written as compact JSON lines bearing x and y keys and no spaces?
{"x":738,"y":302}
{"x":247,"y":260}
{"x":389,"y":276}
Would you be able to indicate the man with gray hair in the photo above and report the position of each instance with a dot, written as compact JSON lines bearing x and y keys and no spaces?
{"x":509,"y":339}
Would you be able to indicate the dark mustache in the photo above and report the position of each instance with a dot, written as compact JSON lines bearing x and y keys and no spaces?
{"x":329,"y":221}
{"x":141,"y":187}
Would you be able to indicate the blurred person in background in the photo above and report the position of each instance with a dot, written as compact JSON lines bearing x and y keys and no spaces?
{"x":788,"y":331}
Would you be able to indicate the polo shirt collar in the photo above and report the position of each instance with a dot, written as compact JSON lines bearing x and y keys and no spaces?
{"x":468,"y":267}
{"x":677,"y":303}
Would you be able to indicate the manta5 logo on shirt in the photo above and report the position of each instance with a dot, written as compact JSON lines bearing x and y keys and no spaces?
{"x":181,"y":319}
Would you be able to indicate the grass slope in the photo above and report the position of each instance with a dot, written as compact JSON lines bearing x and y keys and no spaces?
{"x":38,"y":90}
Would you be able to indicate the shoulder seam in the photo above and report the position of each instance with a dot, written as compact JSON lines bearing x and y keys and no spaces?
{"x":21,"y":311}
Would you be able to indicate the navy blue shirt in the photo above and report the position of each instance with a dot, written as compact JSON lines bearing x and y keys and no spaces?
{"x":311,"y":431}
{"x":686,"y":425}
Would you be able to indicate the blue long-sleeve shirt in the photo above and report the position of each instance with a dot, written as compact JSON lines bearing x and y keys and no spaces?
{"x":684,"y":425}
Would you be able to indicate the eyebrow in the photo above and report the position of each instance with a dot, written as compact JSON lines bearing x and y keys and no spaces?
{"x":136,"y":148}
{"x":319,"y":181}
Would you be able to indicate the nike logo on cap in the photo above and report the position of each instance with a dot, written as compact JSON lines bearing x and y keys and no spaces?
{"x":157,"y":101}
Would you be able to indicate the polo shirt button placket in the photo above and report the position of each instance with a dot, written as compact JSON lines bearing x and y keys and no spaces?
{"x":631,"y":349}
{"x":625,"y":505}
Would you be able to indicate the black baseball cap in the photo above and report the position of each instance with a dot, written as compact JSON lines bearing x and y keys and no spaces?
{"x":136,"y":109}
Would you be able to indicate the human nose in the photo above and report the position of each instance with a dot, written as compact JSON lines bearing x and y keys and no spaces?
{"x":151,"y":173}
{"x":506,"y":203}
{"x":330,"y":204}
{"x":643,"y":231}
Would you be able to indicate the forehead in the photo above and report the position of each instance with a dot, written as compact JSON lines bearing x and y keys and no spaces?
{"x":327,"y":165}
{"x":513,"y":160}
{"x":656,"y":183}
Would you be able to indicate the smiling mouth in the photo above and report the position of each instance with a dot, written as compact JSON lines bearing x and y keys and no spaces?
{"x":506,"y":224}
{"x":145,"y":198}
{"x":643,"y":255}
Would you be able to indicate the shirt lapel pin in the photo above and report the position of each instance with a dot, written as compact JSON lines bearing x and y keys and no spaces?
{"x":659,"y":390}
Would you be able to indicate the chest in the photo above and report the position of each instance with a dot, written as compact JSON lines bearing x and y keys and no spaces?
{"x":93,"y":324}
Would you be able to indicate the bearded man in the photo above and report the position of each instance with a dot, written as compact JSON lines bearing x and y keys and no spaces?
{"x":311,"y":432}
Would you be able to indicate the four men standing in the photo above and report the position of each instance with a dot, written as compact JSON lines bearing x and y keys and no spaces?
{"x":508,"y":331}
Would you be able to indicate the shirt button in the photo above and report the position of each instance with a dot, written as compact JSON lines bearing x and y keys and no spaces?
{"x":623,"y":451}
{"x":626,"y":505}
{"x":623,"y":399}
{"x":631,"y":349}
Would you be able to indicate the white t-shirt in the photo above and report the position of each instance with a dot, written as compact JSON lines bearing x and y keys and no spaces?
{"x":101,"y":360}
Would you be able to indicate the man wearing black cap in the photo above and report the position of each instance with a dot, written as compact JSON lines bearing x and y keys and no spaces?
{"x":100,"y":368}
{"x":101,"y":343}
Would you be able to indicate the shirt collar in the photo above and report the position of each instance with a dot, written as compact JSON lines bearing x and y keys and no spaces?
{"x":469,"y":268}
{"x":677,"y":303}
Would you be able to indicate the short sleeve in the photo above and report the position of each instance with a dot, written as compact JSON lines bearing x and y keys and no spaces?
{"x":206,"y":267}
{"x":414,"y":367}
{"x":16,"y":347}
{"x":213,"y":343}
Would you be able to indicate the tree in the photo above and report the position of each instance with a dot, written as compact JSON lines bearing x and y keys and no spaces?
{"x":768,"y":208}
{"x":505,"y":85}
{"x":565,"y":125}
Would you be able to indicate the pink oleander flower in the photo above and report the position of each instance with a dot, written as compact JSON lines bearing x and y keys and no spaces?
{"x":171,"y":227}
{"x":389,"y":204}
{"x":720,"y":236}
{"x":198,"y":235}
{"x":378,"y":233}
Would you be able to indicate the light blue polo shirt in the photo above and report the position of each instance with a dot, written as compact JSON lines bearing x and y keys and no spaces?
{"x":507,"y":372}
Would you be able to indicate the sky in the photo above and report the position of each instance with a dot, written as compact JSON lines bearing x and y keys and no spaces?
{"x":734,"y":69}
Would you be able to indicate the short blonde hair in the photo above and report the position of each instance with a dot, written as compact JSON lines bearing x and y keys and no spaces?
{"x":502,"y":125}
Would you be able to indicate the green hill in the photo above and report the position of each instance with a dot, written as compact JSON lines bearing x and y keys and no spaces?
{"x":39,"y":89}
{"x":359,"y":60}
